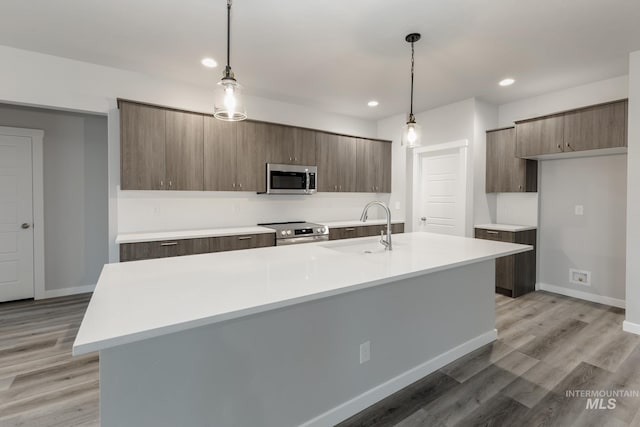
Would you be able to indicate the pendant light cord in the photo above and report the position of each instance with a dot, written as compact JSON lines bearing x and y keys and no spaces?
{"x":228,"y":69}
{"x":412,"y":66}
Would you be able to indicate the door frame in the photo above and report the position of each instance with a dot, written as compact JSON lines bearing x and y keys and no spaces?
{"x":37,"y":171}
{"x":462,"y":146}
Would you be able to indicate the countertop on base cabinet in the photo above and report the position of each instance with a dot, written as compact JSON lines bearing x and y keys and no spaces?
{"x":515,"y":274}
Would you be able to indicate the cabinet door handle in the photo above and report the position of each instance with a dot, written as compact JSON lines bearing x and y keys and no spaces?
{"x":492,"y":232}
{"x":295,"y":159}
{"x":569,"y":146}
{"x":161,"y":184}
{"x":170,"y":184}
{"x":290,"y":158}
{"x":245,"y":238}
{"x":234,"y":185}
{"x":520,"y":187}
{"x":349,"y":229}
{"x":240,"y":185}
{"x":560,"y":147}
{"x":168,"y":243}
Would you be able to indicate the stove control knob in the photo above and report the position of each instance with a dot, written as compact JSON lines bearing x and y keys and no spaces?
{"x":288,"y":232}
{"x":323,"y":229}
{"x":283,"y":232}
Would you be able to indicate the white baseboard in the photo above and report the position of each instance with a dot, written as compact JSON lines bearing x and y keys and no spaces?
{"x":633,"y":328}
{"x":368,"y":398}
{"x":615,"y":302}
{"x":55,"y":293}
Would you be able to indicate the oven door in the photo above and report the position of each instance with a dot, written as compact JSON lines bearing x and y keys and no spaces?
{"x":298,"y":240}
{"x":291,"y":179}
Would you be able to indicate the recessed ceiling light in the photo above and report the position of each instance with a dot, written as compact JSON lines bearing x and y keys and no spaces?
{"x":372,"y":103}
{"x":506,"y":82}
{"x":209,"y":62}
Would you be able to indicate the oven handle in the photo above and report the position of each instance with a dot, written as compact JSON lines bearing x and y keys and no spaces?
{"x":305,"y":239}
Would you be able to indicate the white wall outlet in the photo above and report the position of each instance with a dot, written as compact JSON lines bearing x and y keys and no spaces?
{"x":365,"y":352}
{"x":579,"y":210}
{"x":580,"y":277}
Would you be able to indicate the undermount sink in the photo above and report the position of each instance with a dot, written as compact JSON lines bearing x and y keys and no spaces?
{"x":366,"y":247}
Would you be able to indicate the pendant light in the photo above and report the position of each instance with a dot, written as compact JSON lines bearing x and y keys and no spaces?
{"x":229,"y":105}
{"x":411,"y":132}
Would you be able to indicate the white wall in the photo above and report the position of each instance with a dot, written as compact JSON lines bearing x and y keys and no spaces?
{"x":633,"y":195}
{"x":567,"y":99}
{"x":45,"y":80}
{"x":140,"y":211}
{"x":75,"y":192}
{"x":484,"y":204}
{"x":452,"y":122}
{"x":594,"y":241}
{"x":558,"y":186}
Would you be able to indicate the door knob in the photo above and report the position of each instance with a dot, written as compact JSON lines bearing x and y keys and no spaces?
{"x":25,"y":225}
{"x":424,"y":218}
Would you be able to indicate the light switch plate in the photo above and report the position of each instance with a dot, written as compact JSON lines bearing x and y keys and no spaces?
{"x":579,"y":210}
{"x":365,"y":352}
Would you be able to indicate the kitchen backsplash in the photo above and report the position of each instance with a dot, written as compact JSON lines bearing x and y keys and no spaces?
{"x":141,"y":211}
{"x":517,"y":208}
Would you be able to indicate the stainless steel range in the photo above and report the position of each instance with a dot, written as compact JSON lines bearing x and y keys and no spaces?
{"x":294,"y":232}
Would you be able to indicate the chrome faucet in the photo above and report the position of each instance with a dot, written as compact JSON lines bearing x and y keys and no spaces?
{"x":385,"y":242}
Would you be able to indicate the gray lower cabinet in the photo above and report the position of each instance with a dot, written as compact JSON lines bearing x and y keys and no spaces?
{"x":182,"y":247}
{"x":163,"y":249}
{"x":339,"y":233}
{"x":247,"y":241}
{"x":515,"y":274}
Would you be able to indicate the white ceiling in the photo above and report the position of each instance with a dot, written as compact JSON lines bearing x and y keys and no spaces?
{"x":338,"y":54}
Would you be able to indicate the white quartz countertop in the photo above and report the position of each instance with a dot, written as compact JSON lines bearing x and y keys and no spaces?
{"x":144,"y":299}
{"x":189,"y":234}
{"x":506,"y":227}
{"x":156,"y":236}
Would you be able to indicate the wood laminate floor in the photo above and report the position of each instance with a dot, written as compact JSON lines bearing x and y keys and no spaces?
{"x":41,"y":384}
{"x":547,"y":344}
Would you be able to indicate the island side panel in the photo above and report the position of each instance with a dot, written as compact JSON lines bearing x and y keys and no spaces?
{"x":289,"y":366}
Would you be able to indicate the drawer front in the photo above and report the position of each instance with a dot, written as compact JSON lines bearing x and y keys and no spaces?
{"x":500,"y":236}
{"x":340,"y":233}
{"x":163,"y":249}
{"x":247,"y":241}
{"x":397,"y":228}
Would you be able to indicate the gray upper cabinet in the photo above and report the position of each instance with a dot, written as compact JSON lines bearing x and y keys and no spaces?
{"x":219,"y":154}
{"x":373,"y":166}
{"x":142,"y":147}
{"x":591,"y":128}
{"x":168,"y":149}
{"x":184,"y":151}
{"x":505,"y":172}
{"x":540,"y":136}
{"x":251,"y":155}
{"x":336,"y":161}
{"x":601,"y":126}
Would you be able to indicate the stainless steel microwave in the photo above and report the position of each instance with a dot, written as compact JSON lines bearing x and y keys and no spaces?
{"x":291,"y":179}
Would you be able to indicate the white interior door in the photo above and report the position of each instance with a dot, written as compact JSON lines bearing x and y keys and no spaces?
{"x":440,"y":191}
{"x":16,"y":218}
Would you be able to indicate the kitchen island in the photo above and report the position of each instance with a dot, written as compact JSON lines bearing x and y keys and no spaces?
{"x":275,"y":336}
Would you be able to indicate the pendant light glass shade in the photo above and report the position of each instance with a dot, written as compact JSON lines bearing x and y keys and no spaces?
{"x":228,"y":104}
{"x":411,"y":131}
{"x":411,"y":134}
